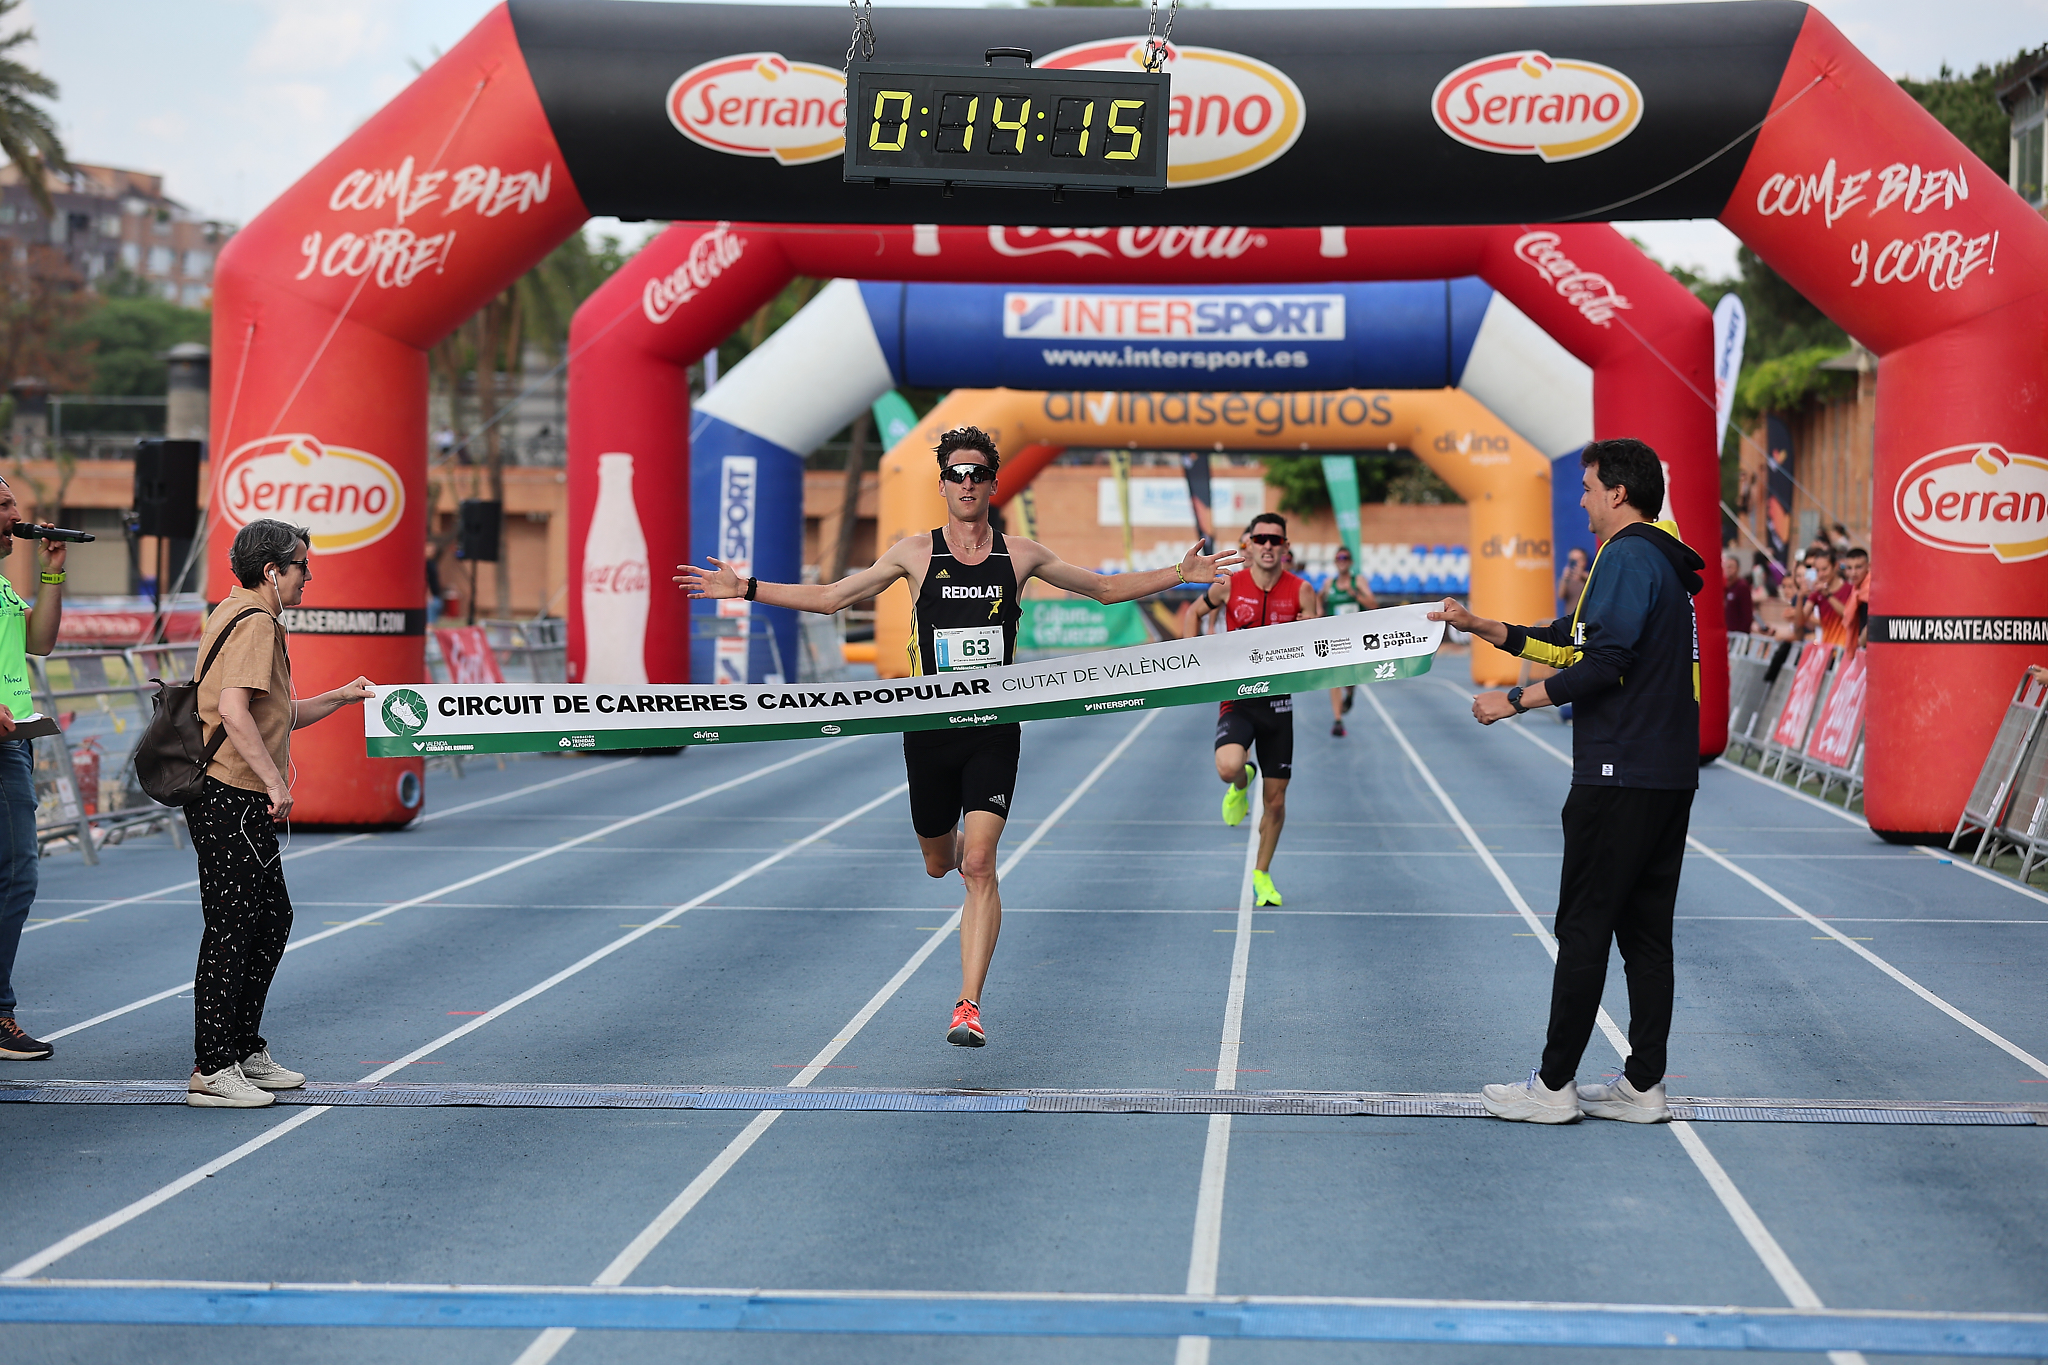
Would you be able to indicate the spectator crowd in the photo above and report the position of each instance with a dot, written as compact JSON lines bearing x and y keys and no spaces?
{"x":1823,"y":596}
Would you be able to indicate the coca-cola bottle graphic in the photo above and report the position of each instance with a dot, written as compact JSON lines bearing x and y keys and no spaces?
{"x":615,"y":580}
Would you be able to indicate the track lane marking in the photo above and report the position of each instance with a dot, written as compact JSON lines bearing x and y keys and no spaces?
{"x":121,"y":1217}
{"x":484,"y":876}
{"x":549,"y":1343}
{"x":1791,"y":1283}
{"x":340,"y":843}
{"x":1997,"y":1040}
{"x":1206,"y":1250}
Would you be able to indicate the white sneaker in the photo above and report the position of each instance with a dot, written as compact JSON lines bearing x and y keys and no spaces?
{"x":259,"y":1070}
{"x":1531,"y":1101}
{"x":1617,"y":1099}
{"x":226,"y":1088}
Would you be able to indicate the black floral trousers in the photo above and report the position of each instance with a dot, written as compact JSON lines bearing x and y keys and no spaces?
{"x":248,"y":918}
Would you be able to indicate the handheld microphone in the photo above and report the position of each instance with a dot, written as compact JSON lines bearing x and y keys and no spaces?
{"x":28,"y":530}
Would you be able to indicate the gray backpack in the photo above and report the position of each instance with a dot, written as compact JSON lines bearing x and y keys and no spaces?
{"x":172,"y":756}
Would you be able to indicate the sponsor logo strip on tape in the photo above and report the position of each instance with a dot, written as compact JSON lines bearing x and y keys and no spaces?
{"x":1301,"y":656}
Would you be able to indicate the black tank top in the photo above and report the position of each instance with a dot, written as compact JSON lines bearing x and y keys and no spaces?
{"x":966,"y":614}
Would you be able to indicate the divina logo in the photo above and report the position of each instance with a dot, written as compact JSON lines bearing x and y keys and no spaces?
{"x":1530,"y":104}
{"x":347,"y":498}
{"x":1976,"y":499}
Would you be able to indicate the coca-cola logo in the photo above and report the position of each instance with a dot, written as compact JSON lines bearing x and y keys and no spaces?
{"x":1586,"y":290}
{"x":1231,"y":114}
{"x":629,"y":576}
{"x":762,"y":104}
{"x":1530,"y":104}
{"x":347,"y":498}
{"x":710,"y":256}
{"x":1132,"y":243}
{"x":1976,"y":499}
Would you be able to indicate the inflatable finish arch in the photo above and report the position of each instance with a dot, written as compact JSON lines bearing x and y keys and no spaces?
{"x":1504,"y":479}
{"x":851,"y":343}
{"x":1759,"y":113}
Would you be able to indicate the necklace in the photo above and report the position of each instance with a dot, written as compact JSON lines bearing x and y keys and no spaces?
{"x":972,"y":549}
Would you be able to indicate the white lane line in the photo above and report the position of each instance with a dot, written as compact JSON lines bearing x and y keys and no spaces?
{"x":549,"y":1343}
{"x":1206,"y":1251}
{"x":2020,"y":1054}
{"x":120,"y":1217}
{"x":1940,"y":855}
{"x":1791,"y":1283}
{"x":337,"y":843}
{"x":484,"y":876}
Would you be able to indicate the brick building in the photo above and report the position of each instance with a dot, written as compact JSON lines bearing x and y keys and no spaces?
{"x":110,"y":220}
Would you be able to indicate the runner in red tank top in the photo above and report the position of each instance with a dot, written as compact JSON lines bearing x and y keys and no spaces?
{"x":1263,"y":594}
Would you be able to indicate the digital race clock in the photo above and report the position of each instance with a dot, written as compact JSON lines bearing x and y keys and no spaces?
{"x":1017,"y":128}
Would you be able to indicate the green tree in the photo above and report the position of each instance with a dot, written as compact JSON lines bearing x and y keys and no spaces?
{"x":125,"y":338}
{"x":28,"y":135}
{"x":1968,"y":107}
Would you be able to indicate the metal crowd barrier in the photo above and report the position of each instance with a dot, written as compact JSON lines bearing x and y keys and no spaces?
{"x":2008,"y":806}
{"x":86,"y":790}
{"x":1805,"y":719}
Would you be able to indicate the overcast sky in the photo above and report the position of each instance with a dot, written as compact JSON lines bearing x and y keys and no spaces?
{"x":233,"y":99}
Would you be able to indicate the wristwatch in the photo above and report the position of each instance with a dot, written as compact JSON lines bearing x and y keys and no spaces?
{"x":1515,"y":700}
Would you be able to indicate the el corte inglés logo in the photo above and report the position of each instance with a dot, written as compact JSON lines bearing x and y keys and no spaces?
{"x":405,"y":711}
{"x":348,"y":498}
{"x":762,"y":104}
{"x":1976,"y":499}
{"x":1231,"y":114}
{"x":1530,"y":104}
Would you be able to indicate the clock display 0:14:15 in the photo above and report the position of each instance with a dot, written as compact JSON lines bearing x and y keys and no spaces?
{"x":1080,"y":127}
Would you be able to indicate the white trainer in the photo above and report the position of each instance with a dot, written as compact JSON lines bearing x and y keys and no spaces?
{"x":1531,"y":1101}
{"x":226,"y":1088}
{"x":1617,"y":1099}
{"x":262,"y":1071}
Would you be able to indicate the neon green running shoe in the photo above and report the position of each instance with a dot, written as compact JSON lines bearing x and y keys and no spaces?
{"x":1262,"y":889}
{"x":1237,"y":801}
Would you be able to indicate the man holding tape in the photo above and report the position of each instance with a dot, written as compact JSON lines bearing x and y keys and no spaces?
{"x":964,"y":580}
{"x":1629,"y":661}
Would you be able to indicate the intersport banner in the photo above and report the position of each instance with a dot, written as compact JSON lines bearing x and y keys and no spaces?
{"x":1301,"y":656}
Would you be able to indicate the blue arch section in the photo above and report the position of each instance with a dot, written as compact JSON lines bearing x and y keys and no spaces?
{"x":746,"y":503}
{"x":1399,"y":334}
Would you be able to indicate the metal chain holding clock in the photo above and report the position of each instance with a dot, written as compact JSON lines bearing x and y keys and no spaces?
{"x":863,"y":40}
{"x":1155,"y":41}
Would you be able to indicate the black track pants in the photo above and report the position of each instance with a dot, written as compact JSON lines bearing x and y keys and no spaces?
{"x":1623,"y":850}
{"x":248,"y":918}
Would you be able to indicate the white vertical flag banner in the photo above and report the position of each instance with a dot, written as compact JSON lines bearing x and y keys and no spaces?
{"x":1731,"y":327}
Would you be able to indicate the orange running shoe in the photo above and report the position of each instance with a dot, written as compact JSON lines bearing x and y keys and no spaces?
{"x":966,"y":1030}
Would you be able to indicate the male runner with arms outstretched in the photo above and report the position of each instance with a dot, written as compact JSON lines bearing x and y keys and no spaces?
{"x":1265,"y":594}
{"x":964,"y":580}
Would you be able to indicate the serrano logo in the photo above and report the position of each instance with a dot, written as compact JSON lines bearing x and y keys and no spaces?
{"x":1976,"y":500}
{"x":762,"y":104}
{"x":1231,"y":113}
{"x":1528,"y":104}
{"x":349,"y":498}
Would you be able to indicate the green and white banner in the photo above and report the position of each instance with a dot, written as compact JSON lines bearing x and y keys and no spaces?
{"x":504,"y":718}
{"x":1077,"y":623}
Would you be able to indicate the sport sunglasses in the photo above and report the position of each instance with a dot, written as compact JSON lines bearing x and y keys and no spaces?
{"x":962,"y":473}
{"x":1263,"y":539}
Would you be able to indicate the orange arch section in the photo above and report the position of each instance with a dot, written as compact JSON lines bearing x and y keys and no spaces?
{"x":1503,"y":479}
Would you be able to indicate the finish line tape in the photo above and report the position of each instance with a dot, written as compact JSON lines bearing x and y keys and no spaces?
{"x":1300,"y":656}
{"x":1462,"y":1321}
{"x":1320,"y":1104}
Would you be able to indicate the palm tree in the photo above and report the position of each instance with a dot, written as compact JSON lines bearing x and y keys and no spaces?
{"x":27,"y":134}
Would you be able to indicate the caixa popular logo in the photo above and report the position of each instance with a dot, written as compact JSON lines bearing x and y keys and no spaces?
{"x":347,"y":498}
{"x":1231,"y":114}
{"x":1530,"y":104}
{"x":762,"y":104}
{"x":1976,"y":499}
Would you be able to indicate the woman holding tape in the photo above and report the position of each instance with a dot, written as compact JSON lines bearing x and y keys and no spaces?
{"x":964,"y":579}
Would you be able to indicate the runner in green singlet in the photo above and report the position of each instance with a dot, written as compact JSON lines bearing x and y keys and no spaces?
{"x":1341,"y":595}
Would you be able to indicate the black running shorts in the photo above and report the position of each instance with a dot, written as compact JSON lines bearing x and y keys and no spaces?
{"x":1267,"y":722}
{"x":954,"y":771}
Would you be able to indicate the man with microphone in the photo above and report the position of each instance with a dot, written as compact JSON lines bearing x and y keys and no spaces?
{"x":24,"y":630}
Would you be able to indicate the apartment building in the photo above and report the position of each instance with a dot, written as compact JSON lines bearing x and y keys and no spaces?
{"x":109,"y":219}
